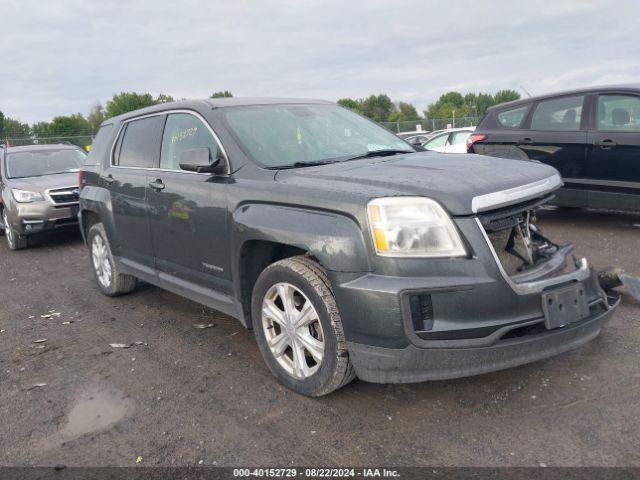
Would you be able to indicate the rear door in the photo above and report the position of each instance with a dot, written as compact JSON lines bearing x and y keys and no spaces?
{"x":136,"y":151}
{"x":188,"y":211}
{"x":613,"y":165}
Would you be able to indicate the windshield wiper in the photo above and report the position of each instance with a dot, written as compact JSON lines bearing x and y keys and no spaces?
{"x":380,"y":153}
{"x":312,"y":163}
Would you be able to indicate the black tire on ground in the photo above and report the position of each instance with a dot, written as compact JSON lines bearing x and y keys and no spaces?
{"x":14,"y":240}
{"x":335,"y":370}
{"x":119,"y":283}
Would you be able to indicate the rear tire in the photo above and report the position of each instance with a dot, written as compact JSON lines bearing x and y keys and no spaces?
{"x":15,"y":241}
{"x":105,"y":271}
{"x":298,"y":327}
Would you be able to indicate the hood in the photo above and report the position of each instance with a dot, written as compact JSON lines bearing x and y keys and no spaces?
{"x":464,"y":184}
{"x":45,"y":182}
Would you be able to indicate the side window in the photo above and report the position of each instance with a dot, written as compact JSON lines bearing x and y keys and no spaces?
{"x":619,"y":113}
{"x":139,"y":143}
{"x":460,"y":138}
{"x":512,"y":118}
{"x":182,"y":132}
{"x":559,"y":114}
{"x":437,"y":142}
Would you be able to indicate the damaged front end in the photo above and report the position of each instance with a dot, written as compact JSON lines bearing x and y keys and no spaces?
{"x":525,"y":254}
{"x":530,"y":262}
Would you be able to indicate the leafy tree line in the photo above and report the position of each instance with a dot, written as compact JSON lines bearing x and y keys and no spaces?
{"x":379,"y":108}
{"x":78,"y":128}
{"x":382,"y":109}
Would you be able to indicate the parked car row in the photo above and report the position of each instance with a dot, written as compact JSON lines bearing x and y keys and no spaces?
{"x":347,"y":251}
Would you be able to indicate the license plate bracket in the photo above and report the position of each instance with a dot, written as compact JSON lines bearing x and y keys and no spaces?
{"x":564,"y":305}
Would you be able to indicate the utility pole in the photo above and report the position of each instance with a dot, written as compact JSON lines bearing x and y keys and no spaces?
{"x":454,"y":118}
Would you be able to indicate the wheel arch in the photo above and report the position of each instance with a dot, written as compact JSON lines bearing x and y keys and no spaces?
{"x":266,"y":233}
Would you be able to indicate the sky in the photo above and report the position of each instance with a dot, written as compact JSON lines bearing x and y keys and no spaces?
{"x":61,"y":57}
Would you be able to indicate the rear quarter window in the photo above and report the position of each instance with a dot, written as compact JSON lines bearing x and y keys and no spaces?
{"x":512,"y":118}
{"x":99,"y":145}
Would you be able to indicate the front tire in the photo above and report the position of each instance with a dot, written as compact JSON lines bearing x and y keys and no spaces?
{"x":105,"y":271}
{"x":15,"y":241}
{"x":298,"y":327}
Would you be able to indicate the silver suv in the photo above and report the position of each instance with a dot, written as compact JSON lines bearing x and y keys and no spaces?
{"x":39,"y":190}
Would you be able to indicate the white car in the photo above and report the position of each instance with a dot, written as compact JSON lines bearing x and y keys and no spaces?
{"x":453,"y":140}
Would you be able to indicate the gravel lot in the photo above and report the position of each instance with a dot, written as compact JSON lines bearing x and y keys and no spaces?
{"x":187,"y":395}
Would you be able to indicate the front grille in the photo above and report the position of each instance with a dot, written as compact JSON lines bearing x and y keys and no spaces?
{"x":421,"y":312}
{"x":64,"y":196}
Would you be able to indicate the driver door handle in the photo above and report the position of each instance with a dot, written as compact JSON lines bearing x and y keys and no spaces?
{"x":157,"y":185}
{"x":525,"y":141}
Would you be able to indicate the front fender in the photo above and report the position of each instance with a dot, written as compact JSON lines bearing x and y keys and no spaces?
{"x":335,"y":240}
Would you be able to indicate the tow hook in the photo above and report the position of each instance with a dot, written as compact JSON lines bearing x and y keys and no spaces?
{"x":611,"y":278}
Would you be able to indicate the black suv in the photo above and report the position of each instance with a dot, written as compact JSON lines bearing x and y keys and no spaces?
{"x":592,"y":136}
{"x":346,"y":251}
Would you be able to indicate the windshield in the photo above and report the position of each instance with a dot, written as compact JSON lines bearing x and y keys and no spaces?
{"x":43,"y":162}
{"x":287,"y":135}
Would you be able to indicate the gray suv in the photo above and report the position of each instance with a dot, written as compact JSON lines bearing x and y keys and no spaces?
{"x":39,"y":190}
{"x":345,"y":250}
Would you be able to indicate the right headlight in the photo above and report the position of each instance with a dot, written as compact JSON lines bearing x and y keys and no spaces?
{"x":413,"y":227}
{"x":26,"y":196}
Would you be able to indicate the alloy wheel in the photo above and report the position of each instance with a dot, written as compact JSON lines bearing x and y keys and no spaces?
{"x":293,"y":330}
{"x":100,"y":258}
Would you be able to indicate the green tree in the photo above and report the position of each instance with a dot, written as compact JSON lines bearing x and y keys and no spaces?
{"x":351,"y":104}
{"x":378,"y":107}
{"x":74,"y":128}
{"x":408,"y":111}
{"x":221,"y":94}
{"x":447,"y":104}
{"x":128,"y":101}
{"x":13,"y":129}
{"x":505,"y":96}
{"x":96,"y":117}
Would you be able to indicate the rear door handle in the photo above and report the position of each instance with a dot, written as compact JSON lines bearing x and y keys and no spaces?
{"x":525,"y":141}
{"x":605,"y":144}
{"x":157,"y":185}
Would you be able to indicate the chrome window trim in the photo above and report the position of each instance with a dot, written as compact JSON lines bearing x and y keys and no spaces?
{"x":157,"y":169}
{"x":518,"y":194}
{"x":582,"y":272}
{"x":61,"y":190}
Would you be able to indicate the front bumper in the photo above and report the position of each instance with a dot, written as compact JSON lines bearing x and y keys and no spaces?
{"x":32,"y":218}
{"x":415,"y":364}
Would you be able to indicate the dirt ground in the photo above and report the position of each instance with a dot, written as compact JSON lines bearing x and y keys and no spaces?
{"x":187,"y":396}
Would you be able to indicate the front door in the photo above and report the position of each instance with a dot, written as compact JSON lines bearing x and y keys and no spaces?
{"x":613,"y":166}
{"x":136,"y":151}
{"x":188,"y":211}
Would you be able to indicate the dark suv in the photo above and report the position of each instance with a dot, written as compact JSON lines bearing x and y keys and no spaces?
{"x":592,"y":136}
{"x":346,"y":251}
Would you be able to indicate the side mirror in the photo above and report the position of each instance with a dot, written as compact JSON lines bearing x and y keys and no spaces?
{"x":199,"y":160}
